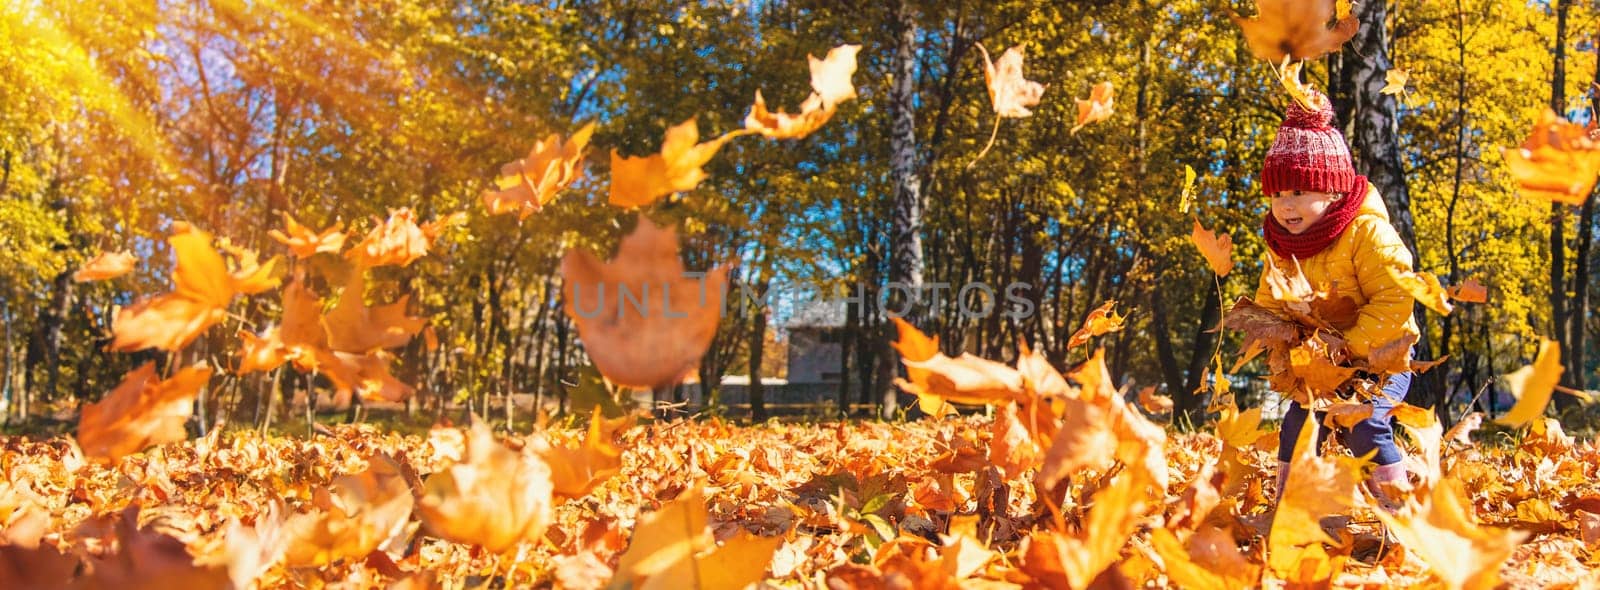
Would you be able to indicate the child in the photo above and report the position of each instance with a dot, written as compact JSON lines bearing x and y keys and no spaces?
{"x":1335,"y":224}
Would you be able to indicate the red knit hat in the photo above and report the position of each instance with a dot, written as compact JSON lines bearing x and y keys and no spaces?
{"x":1308,"y":154}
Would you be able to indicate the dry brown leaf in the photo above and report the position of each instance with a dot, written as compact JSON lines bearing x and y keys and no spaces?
{"x":1533,"y":384}
{"x":528,"y":184}
{"x":354,"y":327}
{"x":636,"y":182}
{"x":1218,"y":250}
{"x":1009,"y":92}
{"x":304,"y":242}
{"x":495,"y":497}
{"x":1311,"y":362}
{"x":1347,"y":414}
{"x":966,"y":379}
{"x":147,"y":560}
{"x":1103,"y":320}
{"x":1012,"y":447}
{"x":1558,"y":161}
{"x":642,"y":319}
{"x":1295,"y":29}
{"x":1426,"y":432}
{"x":105,"y":265}
{"x":140,"y":412}
{"x":1391,"y":357}
{"x":1097,"y":108}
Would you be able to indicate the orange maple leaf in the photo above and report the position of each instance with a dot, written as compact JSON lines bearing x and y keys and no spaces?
{"x":1103,"y":320}
{"x":915,"y":346}
{"x":355,"y":327}
{"x":1532,"y":385}
{"x":643,"y":321}
{"x":1469,"y":291}
{"x":673,"y":547}
{"x":140,"y":412}
{"x":304,"y":242}
{"x":1218,"y":250}
{"x":1425,"y":288}
{"x":1458,"y":551}
{"x":577,"y":471}
{"x":396,"y":241}
{"x":1097,"y":108}
{"x":528,"y":184}
{"x":204,"y":286}
{"x":640,"y":181}
{"x":358,"y":514}
{"x":105,"y":265}
{"x":1558,"y":161}
{"x":1073,"y":560}
{"x":1296,"y":29}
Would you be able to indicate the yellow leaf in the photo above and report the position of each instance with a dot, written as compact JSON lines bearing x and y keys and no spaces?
{"x":1425,"y":288}
{"x":1103,"y":320}
{"x":495,"y":497}
{"x":673,"y":548}
{"x":1317,"y":487}
{"x":830,"y":76}
{"x":1533,"y":384}
{"x":1395,"y":81}
{"x":640,"y":181}
{"x":1458,"y":551}
{"x":528,"y":184}
{"x":1186,"y":198}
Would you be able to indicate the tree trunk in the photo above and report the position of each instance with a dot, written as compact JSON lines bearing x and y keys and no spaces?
{"x":1578,"y":331}
{"x":1375,"y":146}
{"x":1560,"y":315}
{"x":905,"y":260}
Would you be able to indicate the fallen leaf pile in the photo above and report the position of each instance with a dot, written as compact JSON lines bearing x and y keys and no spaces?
{"x":941,"y":502}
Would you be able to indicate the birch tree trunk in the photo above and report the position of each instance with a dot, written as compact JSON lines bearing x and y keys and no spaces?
{"x":905,"y":259}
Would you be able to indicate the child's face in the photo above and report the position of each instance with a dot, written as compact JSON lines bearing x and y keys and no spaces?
{"x":1298,"y":210}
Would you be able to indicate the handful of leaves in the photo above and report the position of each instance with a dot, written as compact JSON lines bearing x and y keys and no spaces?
{"x":1302,"y":331}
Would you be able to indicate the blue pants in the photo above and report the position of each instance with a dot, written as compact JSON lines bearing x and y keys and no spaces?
{"x":1376,"y":433}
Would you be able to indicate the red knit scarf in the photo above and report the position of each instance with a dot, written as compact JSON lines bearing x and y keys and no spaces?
{"x":1322,"y":233}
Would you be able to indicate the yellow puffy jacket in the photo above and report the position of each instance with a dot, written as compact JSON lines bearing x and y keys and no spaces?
{"x":1357,"y":266}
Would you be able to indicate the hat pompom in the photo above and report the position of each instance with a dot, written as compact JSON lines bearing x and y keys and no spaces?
{"x":1301,"y":117}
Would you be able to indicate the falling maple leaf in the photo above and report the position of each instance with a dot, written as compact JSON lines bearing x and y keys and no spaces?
{"x":1101,"y":321}
{"x":395,"y":241}
{"x":354,"y":327}
{"x":140,"y":412}
{"x":782,"y":125}
{"x":1288,"y":74}
{"x":1153,"y":402}
{"x":1317,"y":486}
{"x":1425,"y":288}
{"x":1558,"y":161}
{"x":830,"y":76}
{"x":1097,"y":108}
{"x":304,"y":242}
{"x":1458,"y":551}
{"x":650,"y":343}
{"x":1395,"y":81}
{"x":1217,"y":250}
{"x":1533,"y":384}
{"x":915,"y":346}
{"x":495,"y":497}
{"x":204,"y":284}
{"x":105,"y":265}
{"x":1295,"y":29}
{"x":1425,"y":431}
{"x":830,"y":82}
{"x":1009,"y":92}
{"x":673,"y":548}
{"x":640,"y":181}
{"x":528,"y":184}
{"x":966,"y":379}
{"x":1469,"y":291}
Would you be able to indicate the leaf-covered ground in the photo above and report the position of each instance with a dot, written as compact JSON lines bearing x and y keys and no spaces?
{"x":855,"y":504}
